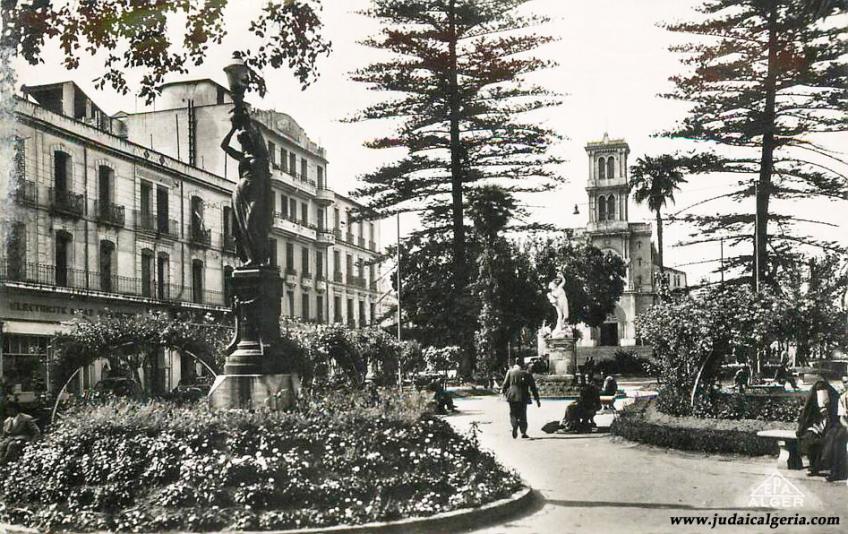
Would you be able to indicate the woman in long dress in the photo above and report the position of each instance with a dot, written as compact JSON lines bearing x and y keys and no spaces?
{"x":252,"y":208}
{"x":818,"y":416}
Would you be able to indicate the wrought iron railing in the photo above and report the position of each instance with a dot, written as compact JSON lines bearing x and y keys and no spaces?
{"x":67,"y":202}
{"x":68,"y":277}
{"x":199,"y":236}
{"x":26,"y":193}
{"x":109,"y":213}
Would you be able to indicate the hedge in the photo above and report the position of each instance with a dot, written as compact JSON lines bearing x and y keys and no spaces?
{"x":642,"y":422}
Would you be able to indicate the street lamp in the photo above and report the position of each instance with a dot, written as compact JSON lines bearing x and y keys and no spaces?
{"x":238,"y":74}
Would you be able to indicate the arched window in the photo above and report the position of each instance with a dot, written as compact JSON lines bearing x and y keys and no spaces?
{"x":163,"y":275}
{"x":62,"y":257}
{"x":197,"y":281}
{"x":611,"y":208}
{"x":62,"y":165}
{"x":146,"y":273}
{"x":602,"y":169}
{"x":602,"y":209}
{"x":107,"y":266}
{"x":610,"y":168}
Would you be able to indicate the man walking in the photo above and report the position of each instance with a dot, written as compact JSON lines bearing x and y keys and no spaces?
{"x":517,"y":386}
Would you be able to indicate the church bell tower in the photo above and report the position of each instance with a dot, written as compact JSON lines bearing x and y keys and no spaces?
{"x":607,"y":185}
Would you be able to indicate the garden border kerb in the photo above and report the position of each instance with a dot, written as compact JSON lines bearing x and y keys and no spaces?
{"x":455,"y":519}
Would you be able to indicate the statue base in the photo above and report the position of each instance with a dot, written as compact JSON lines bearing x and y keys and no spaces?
{"x":254,"y":392}
{"x":562,"y":357}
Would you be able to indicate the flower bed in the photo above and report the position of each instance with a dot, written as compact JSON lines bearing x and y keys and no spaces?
{"x":153,"y":467}
{"x":642,"y":422}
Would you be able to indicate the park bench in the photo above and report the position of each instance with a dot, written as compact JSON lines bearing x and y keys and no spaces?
{"x":787,"y":442}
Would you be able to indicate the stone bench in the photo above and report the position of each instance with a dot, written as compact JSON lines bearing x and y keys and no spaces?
{"x":787,"y":441}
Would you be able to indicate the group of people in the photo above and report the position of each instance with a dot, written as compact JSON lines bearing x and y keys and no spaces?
{"x":823,"y":430}
{"x":519,"y":388}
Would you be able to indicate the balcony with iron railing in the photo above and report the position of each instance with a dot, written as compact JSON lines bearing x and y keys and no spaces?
{"x":109,"y":213}
{"x":58,"y":276}
{"x":26,"y":193}
{"x":67,"y":202}
{"x":200,"y":237}
{"x":147,"y":222}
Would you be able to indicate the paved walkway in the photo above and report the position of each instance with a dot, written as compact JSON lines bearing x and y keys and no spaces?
{"x":598,"y":483}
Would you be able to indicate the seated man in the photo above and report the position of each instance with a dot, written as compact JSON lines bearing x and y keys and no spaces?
{"x":782,"y":375}
{"x":610,"y":386}
{"x":442,"y":398}
{"x":580,"y":414}
{"x":18,"y":429}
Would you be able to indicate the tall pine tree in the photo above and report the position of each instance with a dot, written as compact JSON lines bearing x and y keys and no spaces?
{"x":768,"y":78}
{"x":457,"y":75}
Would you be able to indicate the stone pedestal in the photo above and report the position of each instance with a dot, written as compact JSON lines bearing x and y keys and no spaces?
{"x":562,"y":356}
{"x":253,"y":392}
{"x":255,"y":371}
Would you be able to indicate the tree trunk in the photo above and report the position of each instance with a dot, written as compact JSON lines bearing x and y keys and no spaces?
{"x":660,"y":241}
{"x":456,"y":163}
{"x":763,"y":190}
{"x":460,"y":269}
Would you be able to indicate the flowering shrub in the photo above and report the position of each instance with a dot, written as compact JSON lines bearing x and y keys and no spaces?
{"x":693,"y":335}
{"x":127,"y":466}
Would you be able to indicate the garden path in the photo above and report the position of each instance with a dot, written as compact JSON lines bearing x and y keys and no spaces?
{"x":598,"y":483}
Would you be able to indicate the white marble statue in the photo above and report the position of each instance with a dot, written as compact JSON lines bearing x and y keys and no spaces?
{"x":559,"y":301}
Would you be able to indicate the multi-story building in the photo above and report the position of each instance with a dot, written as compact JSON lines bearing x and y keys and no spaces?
{"x":132,"y":212}
{"x":327,"y":253}
{"x":96,"y":223}
{"x":610,"y":229}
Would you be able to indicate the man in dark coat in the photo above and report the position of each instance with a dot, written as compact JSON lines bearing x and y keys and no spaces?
{"x":517,"y":386}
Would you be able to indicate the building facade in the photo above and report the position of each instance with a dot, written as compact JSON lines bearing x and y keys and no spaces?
{"x":328,"y":255}
{"x":104,"y":214}
{"x":609,"y":228}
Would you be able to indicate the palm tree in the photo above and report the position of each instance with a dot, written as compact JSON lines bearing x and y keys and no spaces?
{"x":655,"y":179}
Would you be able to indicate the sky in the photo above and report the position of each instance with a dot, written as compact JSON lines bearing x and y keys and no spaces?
{"x":613,"y":61}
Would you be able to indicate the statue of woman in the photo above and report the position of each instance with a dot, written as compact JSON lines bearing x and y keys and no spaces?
{"x":252,"y":208}
{"x":559,"y":301}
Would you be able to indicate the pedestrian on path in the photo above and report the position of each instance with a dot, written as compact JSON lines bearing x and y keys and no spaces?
{"x":517,"y":387}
